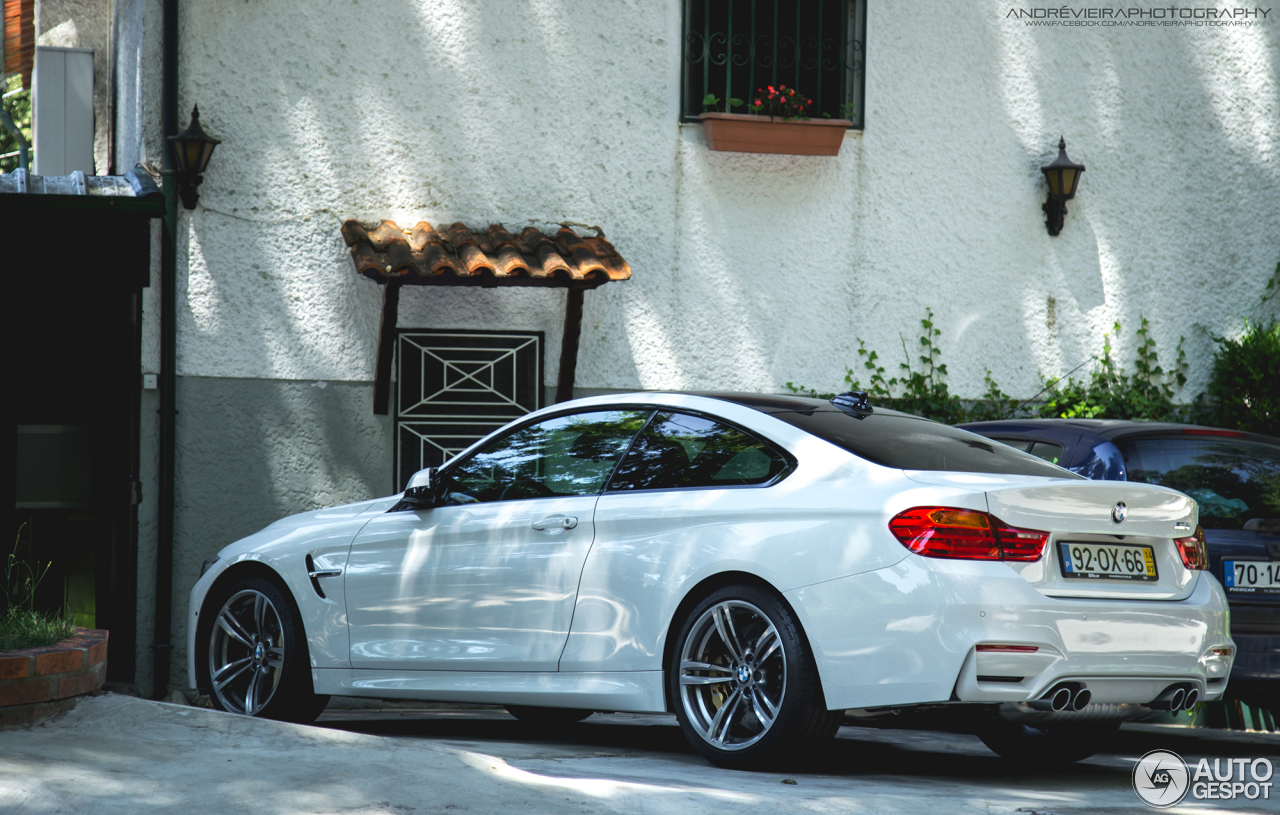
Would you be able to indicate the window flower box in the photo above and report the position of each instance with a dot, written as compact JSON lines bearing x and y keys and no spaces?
{"x":746,"y":133}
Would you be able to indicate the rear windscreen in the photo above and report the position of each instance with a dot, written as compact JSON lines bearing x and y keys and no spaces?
{"x":910,"y":443}
{"x":1232,"y":481}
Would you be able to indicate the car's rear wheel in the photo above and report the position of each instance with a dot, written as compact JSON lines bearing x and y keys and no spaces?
{"x":255,"y":655}
{"x":548,"y":716}
{"x":1046,"y":744}
{"x":743,"y":681}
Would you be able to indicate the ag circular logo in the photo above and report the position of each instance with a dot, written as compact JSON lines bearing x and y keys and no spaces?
{"x":1160,"y":778}
{"x":1119,"y":511}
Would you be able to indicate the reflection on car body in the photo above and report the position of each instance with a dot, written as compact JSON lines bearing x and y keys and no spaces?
{"x":755,"y":565}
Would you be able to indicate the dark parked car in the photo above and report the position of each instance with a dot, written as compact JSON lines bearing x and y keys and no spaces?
{"x":1235,"y":479}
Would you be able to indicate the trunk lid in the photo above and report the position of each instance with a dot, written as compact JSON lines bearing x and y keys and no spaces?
{"x":1080,"y":514}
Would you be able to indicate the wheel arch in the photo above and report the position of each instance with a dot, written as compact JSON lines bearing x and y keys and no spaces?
{"x":234,"y":573}
{"x":695,"y":595}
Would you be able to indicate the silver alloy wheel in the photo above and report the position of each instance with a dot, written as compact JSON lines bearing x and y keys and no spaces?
{"x":733,"y":674}
{"x":246,"y":652}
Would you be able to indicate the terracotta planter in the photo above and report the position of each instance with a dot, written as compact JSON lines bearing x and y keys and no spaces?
{"x":744,"y":133}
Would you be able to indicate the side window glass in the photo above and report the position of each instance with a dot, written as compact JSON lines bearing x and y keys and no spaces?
{"x":1017,"y":444}
{"x":1048,"y":451}
{"x":678,"y":451}
{"x":567,"y":455}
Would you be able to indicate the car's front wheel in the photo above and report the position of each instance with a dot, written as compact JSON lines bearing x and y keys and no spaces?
{"x":743,"y":681}
{"x":255,"y":655}
{"x":1053,"y":744}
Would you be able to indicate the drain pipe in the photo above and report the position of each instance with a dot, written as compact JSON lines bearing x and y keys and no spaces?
{"x":162,"y":647}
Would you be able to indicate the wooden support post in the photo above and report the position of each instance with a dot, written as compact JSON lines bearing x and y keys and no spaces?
{"x":386,"y":347}
{"x":569,"y":345}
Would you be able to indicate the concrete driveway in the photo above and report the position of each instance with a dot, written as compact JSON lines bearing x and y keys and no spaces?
{"x":119,"y":754}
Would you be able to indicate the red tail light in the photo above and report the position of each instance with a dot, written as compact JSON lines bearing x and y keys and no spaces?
{"x":1192,"y":550}
{"x":966,"y":534}
{"x":1204,"y":431}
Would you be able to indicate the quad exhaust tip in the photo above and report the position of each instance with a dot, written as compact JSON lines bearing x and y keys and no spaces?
{"x":1176,"y":698}
{"x":1063,"y":696}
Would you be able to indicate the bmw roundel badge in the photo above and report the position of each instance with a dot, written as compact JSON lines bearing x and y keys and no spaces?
{"x":1118,"y":512}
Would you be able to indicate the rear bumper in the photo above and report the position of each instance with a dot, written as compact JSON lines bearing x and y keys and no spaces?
{"x":908,"y":634}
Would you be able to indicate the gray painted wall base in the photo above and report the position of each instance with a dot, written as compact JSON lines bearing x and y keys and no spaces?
{"x":251,"y":451}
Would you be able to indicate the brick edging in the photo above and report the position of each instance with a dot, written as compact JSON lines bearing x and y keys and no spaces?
{"x":36,"y":683}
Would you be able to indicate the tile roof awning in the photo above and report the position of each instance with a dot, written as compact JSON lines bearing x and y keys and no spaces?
{"x":456,"y":256}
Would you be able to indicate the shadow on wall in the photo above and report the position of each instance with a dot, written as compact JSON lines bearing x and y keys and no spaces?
{"x":1179,"y":142}
{"x":252,"y":451}
{"x":266,"y":290}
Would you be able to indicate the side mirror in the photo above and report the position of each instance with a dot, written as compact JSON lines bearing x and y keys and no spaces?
{"x":424,"y":491}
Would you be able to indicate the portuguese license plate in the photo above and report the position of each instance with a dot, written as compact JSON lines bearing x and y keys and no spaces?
{"x":1105,"y":561}
{"x":1251,"y":576}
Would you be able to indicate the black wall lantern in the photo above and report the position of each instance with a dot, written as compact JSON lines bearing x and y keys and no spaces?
{"x":1063,"y":176}
{"x":192,"y":149}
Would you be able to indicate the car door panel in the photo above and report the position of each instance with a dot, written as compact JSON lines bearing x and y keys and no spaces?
{"x":469,"y":587}
{"x":486,"y":580}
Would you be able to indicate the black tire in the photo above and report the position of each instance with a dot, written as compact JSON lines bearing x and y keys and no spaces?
{"x":548,"y":716}
{"x":1046,"y":744}
{"x":259,"y":657}
{"x":728,"y":720}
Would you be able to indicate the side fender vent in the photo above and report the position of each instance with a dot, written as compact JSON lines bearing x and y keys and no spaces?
{"x":314,"y":575}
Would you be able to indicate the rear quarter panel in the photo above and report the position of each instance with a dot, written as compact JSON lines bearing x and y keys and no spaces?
{"x":828,"y":519}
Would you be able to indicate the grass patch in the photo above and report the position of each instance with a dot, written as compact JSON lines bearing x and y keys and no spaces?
{"x":30,"y":629}
{"x":21,"y":626}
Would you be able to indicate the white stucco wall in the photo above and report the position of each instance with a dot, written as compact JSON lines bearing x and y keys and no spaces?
{"x":749,"y":270}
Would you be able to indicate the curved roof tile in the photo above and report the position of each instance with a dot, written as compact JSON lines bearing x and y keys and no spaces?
{"x":455,"y":255}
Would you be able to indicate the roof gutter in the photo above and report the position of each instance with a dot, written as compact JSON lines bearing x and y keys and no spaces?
{"x":162,"y":647}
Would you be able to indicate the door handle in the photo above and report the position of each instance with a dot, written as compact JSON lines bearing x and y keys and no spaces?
{"x":556,"y":523}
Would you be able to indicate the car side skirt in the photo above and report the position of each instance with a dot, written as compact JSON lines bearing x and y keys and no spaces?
{"x":630,"y":691}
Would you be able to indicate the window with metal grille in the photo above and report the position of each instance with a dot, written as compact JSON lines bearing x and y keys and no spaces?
{"x":456,"y":387}
{"x":733,"y":48}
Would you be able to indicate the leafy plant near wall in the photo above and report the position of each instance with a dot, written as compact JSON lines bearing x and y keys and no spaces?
{"x":17,"y":106}
{"x":1108,"y":392}
{"x":21,"y":626}
{"x":1273,"y":286}
{"x":1244,"y":387}
{"x":921,"y":388}
{"x":712,"y":102}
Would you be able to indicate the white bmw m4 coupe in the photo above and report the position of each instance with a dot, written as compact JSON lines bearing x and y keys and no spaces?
{"x":755,"y":565}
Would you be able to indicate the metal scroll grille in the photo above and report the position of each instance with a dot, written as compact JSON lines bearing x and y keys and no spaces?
{"x":734,"y":47}
{"x":455,"y":387}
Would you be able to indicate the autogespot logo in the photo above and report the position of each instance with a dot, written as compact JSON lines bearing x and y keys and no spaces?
{"x":1160,"y":778}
